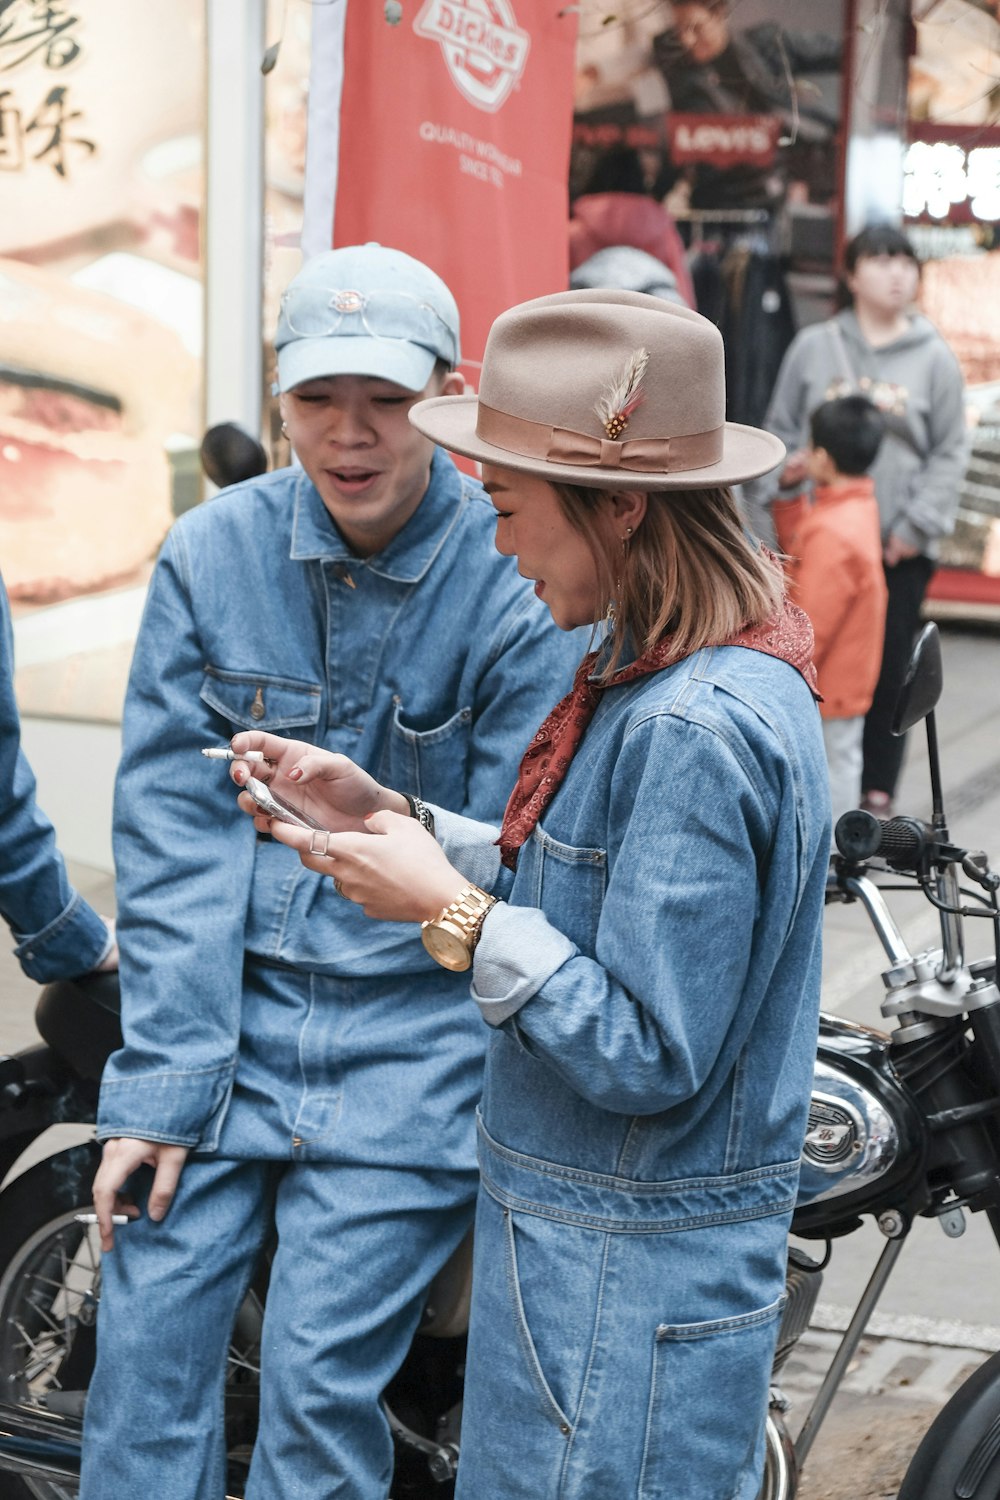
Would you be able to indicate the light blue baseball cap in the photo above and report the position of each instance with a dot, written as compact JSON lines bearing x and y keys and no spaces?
{"x":366,"y":310}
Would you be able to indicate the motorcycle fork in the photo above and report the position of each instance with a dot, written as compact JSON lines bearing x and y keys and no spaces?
{"x":846,"y":1348}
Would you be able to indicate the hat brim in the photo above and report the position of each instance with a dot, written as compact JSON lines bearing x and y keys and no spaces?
{"x":405,"y":364}
{"x":451,"y":421}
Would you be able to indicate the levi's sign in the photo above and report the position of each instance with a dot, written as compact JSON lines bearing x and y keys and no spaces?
{"x":483,"y":46}
{"x":723,"y":140}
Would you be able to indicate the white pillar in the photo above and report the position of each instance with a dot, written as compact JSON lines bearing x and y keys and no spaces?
{"x":234,"y":212}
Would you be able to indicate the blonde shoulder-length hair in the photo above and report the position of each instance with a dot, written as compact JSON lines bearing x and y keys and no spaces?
{"x":690,"y":571}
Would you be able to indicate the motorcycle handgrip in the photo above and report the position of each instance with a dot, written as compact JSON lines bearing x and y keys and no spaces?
{"x":901,"y":842}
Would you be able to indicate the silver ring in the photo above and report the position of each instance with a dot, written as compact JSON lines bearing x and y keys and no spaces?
{"x":325,"y":851}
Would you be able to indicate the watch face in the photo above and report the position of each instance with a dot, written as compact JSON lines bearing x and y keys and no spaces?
{"x":447,"y":949}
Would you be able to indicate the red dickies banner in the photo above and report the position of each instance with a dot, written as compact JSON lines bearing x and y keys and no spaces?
{"x":455,"y":128}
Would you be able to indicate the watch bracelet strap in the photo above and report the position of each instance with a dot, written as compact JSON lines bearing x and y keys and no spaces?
{"x":469,"y":910}
{"x":421,"y":812}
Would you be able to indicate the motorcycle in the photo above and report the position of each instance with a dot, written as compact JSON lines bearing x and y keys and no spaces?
{"x":900,"y":1125}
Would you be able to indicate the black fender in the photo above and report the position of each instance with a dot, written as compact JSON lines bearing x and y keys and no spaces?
{"x":959,"y":1457}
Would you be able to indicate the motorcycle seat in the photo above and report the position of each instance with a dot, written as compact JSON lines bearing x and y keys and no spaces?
{"x":80,"y":1019}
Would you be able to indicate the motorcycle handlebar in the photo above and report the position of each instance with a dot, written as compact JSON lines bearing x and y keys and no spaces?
{"x":901,"y":842}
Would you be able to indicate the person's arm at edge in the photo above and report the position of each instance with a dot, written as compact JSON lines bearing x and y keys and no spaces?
{"x":58,"y":934}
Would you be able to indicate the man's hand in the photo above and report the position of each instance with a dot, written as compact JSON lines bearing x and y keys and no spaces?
{"x":122,"y":1155}
{"x":896,"y":550}
{"x":329,"y":787}
{"x":401,"y":875}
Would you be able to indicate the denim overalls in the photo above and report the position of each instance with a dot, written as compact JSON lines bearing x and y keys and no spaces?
{"x":323,"y":1068}
{"x":653,"y":981}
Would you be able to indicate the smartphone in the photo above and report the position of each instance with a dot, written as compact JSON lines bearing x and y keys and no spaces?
{"x":277,"y":807}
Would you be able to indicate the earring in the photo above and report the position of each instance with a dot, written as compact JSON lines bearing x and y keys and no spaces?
{"x":284,"y":429}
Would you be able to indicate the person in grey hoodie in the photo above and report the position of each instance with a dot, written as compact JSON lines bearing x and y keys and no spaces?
{"x":880,"y":346}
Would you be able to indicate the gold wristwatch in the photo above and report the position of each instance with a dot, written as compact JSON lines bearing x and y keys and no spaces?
{"x":451,"y":937}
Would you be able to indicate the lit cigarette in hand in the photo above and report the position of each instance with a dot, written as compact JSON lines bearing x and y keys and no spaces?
{"x":223,"y":752}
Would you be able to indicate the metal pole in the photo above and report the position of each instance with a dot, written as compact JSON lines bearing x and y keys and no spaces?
{"x":234,"y":212}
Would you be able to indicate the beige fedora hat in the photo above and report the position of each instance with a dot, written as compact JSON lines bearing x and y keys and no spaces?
{"x":613,"y":390}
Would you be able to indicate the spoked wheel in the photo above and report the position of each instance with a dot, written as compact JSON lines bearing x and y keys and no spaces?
{"x":50,"y":1287}
{"x":780,"y":1468}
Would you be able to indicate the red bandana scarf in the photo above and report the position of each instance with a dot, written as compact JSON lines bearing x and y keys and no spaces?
{"x":787,"y":635}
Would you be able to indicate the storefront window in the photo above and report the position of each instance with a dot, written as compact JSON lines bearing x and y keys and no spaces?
{"x":951,"y":199}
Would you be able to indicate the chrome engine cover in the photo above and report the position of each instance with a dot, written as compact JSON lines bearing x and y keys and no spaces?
{"x":853,"y":1137}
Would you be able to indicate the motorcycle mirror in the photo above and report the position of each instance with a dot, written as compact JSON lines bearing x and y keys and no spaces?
{"x":923,"y":683}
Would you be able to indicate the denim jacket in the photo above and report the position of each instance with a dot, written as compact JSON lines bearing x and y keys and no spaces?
{"x":58,"y":935}
{"x":429,"y":664}
{"x":654,"y":976}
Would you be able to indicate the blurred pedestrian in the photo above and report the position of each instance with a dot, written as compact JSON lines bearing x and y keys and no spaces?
{"x":616,"y":209}
{"x":836,"y":576}
{"x":881,"y":347}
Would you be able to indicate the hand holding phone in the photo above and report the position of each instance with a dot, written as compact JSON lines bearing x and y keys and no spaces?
{"x":276,"y":807}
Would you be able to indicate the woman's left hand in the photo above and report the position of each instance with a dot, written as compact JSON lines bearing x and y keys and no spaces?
{"x":403,"y":875}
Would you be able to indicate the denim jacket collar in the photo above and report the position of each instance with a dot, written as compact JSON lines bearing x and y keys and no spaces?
{"x":409,"y":554}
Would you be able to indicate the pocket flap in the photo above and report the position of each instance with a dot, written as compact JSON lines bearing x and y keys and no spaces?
{"x":255,"y":700}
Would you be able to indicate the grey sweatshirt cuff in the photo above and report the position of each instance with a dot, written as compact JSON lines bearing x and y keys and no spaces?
{"x":518,"y":951}
{"x":470,"y":846}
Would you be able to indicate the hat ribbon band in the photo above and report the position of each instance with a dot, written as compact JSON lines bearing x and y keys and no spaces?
{"x":561,"y":445}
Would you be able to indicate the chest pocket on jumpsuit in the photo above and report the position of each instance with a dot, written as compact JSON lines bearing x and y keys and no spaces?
{"x":428,"y":762}
{"x":567,"y":882}
{"x":257,"y":700}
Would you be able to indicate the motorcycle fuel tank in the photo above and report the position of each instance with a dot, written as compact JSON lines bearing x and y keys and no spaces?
{"x":864,"y":1136}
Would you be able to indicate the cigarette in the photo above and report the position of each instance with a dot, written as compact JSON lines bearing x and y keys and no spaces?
{"x":92,"y":1219}
{"x":223,"y":752}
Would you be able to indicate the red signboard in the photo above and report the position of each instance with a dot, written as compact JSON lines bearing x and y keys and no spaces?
{"x":454,"y":146}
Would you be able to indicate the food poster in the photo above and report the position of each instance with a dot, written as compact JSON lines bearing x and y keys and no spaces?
{"x":101,"y":122}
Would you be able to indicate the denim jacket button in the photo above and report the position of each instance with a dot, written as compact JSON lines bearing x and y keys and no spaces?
{"x":257,"y":709}
{"x":564,"y":1428}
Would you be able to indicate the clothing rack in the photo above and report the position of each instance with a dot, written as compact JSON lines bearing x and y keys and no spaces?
{"x":698,"y":218}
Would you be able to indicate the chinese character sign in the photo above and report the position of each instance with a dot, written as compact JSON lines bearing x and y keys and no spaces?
{"x":39,"y":125}
{"x":940,"y":176}
{"x":454,"y":146}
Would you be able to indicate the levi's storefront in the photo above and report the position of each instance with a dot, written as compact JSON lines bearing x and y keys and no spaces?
{"x":732,"y":117}
{"x":771,"y":133}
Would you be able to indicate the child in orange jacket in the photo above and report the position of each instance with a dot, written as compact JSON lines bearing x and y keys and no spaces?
{"x":836,"y":574}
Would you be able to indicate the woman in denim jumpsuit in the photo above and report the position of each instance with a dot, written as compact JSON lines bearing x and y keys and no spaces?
{"x":644,"y":938}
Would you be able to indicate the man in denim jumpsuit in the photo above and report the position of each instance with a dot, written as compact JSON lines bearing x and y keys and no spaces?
{"x":289,"y":1066}
{"x":58,"y":935}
